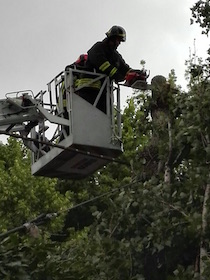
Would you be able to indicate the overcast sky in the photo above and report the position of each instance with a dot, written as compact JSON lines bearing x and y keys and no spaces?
{"x":40,"y":37}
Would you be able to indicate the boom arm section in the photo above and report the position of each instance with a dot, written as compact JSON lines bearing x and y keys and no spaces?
{"x":15,"y":110}
{"x":21,"y":109}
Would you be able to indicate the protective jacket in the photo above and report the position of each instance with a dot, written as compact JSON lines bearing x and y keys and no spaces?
{"x":107,"y":61}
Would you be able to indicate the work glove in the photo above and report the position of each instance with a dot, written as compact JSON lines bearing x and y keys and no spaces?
{"x":130,"y":76}
{"x":134,"y":75}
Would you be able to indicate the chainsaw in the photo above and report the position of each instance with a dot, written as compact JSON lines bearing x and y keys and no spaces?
{"x":137,"y":79}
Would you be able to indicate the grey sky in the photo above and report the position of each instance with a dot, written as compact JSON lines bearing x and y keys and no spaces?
{"x":40,"y":37}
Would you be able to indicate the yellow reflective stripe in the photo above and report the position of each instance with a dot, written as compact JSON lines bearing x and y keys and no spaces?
{"x":64,"y":102}
{"x":104,"y":66}
{"x":62,"y":87}
{"x":86,"y":82}
{"x":114,"y":70}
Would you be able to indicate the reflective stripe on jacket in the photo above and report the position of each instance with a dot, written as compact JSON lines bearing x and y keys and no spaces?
{"x":63,"y":91}
{"x":88,"y":82}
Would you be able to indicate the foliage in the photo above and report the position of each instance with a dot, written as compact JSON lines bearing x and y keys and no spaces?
{"x":201,"y":15}
{"x":22,"y":198}
{"x":22,"y":195}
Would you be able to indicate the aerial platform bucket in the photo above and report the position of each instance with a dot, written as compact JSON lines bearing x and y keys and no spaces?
{"x":92,"y":142}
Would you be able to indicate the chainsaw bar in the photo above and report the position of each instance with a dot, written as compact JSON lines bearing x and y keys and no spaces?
{"x":141,"y":85}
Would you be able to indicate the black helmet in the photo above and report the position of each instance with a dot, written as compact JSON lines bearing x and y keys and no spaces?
{"x":117,"y":31}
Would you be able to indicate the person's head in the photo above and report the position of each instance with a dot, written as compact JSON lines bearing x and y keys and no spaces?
{"x":116,"y":35}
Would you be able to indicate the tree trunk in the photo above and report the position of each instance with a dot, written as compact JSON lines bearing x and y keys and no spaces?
{"x":168,"y":167}
{"x":203,"y":250}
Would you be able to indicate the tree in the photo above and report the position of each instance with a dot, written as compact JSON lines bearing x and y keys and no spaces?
{"x":201,"y":15}
{"x":153,"y":228}
{"x":22,"y":198}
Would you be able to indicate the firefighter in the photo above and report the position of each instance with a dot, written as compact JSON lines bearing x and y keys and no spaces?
{"x":104,"y":58}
